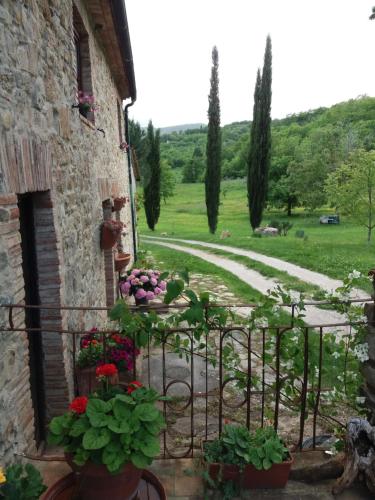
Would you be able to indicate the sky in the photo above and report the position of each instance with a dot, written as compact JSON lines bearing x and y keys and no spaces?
{"x":323,"y":53}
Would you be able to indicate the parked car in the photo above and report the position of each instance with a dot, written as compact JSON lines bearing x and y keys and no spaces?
{"x":329,"y":219}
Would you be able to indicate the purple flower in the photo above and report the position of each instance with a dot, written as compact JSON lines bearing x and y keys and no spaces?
{"x":153,"y":281}
{"x":150,"y":295}
{"x":162,"y":285}
{"x":136,"y":272}
{"x":140,"y":293}
{"x":144,"y":279}
{"x":157,"y":291}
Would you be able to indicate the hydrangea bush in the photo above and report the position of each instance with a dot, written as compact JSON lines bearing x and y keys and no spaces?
{"x":143,"y":283}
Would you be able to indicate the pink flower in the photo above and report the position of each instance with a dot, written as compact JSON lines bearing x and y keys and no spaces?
{"x":162,"y":285}
{"x":131,"y":277}
{"x":136,"y":272}
{"x":153,"y":281}
{"x":157,"y":291}
{"x":144,"y":279}
{"x":140,"y":293}
{"x":125,"y":287}
{"x":150,"y":295}
{"x":135,"y":282}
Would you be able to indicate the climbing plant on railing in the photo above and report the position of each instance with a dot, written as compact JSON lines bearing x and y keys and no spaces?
{"x":333,"y":357}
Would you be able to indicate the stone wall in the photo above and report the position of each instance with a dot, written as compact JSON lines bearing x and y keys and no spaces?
{"x":47,"y":147}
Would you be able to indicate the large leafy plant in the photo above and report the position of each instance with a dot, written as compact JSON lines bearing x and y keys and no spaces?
{"x":111,"y":427}
{"x":21,"y":482}
{"x":238,"y":446}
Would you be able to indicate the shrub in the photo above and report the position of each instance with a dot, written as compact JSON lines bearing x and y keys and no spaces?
{"x":300,"y":233}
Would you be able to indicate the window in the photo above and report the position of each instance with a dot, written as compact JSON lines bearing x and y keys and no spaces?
{"x":82,"y":60}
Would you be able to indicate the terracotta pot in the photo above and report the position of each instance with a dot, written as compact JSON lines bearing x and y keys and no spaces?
{"x":250,"y":477}
{"x":118,"y":204}
{"x":108,"y":237}
{"x":122,"y":260}
{"x":227,"y":472}
{"x":96,"y":483}
{"x":275,"y":477}
{"x":87,"y":381}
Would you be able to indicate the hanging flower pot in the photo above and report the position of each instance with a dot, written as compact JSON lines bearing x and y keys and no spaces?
{"x":121,"y":261}
{"x":110,"y":233}
{"x":118,"y":203}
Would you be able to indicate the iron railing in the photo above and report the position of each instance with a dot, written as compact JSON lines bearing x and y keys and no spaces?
{"x":204,"y":392}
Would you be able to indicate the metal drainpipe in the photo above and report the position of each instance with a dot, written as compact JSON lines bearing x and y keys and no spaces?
{"x":131,"y":190}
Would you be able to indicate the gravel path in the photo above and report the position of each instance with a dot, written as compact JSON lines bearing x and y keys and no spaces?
{"x":324,"y":282}
{"x":313,"y":315}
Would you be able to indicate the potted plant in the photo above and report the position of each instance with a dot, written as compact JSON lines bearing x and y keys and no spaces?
{"x":21,"y":482}
{"x":122,"y":259}
{"x":119,"y":350}
{"x":110,"y":233}
{"x":143,"y":284}
{"x":86,"y":103}
{"x":250,"y":460}
{"x":118,"y":203}
{"x":124,"y":146}
{"x":109,"y":437}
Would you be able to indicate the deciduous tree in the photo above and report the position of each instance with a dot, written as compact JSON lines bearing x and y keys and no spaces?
{"x":351,"y":188}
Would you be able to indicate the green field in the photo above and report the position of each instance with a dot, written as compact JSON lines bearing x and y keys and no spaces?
{"x":334,"y":250}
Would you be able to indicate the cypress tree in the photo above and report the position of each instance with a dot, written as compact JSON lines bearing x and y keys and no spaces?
{"x":260,"y":141}
{"x":151,"y":180}
{"x":213,"y":148}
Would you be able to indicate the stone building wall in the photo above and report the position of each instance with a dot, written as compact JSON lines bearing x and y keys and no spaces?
{"x":47,"y":147}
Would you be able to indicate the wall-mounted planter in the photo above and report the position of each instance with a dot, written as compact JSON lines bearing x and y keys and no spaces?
{"x":121,"y":261}
{"x":118,"y":204}
{"x":110,"y":233}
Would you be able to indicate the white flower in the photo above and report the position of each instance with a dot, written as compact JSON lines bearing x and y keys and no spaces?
{"x":361,"y":351}
{"x":354,"y":275}
{"x":336,"y":354}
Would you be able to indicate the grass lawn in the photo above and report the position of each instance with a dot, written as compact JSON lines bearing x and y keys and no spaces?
{"x":334,"y":250}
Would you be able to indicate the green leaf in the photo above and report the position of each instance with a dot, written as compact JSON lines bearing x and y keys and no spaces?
{"x":174,"y":289}
{"x":121,"y":410}
{"x":139,"y":460}
{"x":192,"y":296}
{"x":96,"y":411}
{"x":118,"y":310}
{"x":81,"y":456}
{"x":184,"y":275}
{"x":267,"y":464}
{"x":118,"y":426}
{"x":96,"y":438}
{"x":151,"y":448}
{"x":79,"y":427}
{"x":56,"y":425}
{"x":146,"y":412}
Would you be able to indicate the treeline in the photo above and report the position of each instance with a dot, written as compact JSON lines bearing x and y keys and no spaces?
{"x":306,"y":148}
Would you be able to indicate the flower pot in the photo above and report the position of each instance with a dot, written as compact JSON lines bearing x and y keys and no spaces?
{"x":224,"y":472}
{"x":87,"y":381}
{"x":121,"y":261}
{"x":141,"y":302}
{"x":108,"y":237}
{"x":65,"y":488}
{"x":118,"y":204}
{"x":96,"y":483}
{"x":275,"y":477}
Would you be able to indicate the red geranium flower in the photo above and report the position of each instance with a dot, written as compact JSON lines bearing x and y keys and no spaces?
{"x":78,"y":405}
{"x":106,"y":370}
{"x":117,"y":338}
{"x":134,"y":386}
